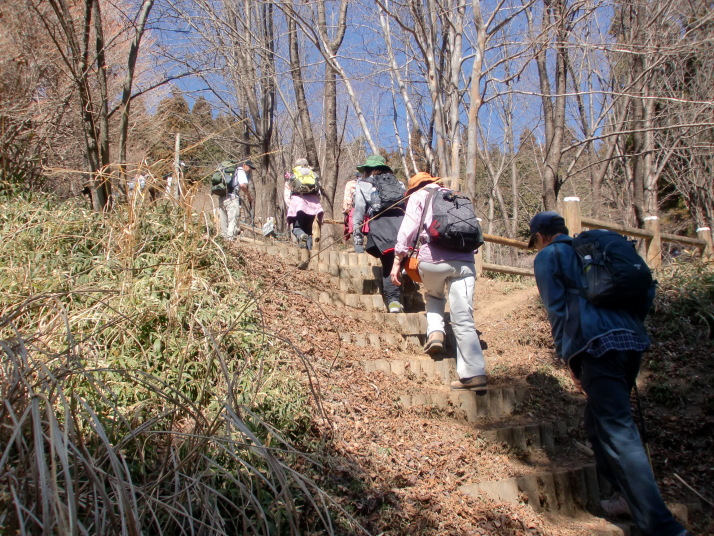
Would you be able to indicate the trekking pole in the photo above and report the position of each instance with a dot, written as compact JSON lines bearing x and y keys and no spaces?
{"x":643,"y":429}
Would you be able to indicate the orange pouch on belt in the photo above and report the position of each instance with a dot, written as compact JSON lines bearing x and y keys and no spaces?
{"x":411,"y":265}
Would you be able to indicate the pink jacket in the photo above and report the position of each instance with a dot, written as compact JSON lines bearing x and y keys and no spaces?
{"x":308,"y":203}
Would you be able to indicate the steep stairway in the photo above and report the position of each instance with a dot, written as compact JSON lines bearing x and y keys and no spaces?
{"x":552,"y":471}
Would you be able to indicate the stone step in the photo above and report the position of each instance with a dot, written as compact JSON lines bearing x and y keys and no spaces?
{"x":351,"y":274}
{"x":356,"y":285}
{"x":569,"y":492}
{"x":441,"y":366}
{"x":312,"y":259}
{"x":565,"y":492}
{"x":540,"y":435}
{"x":403,"y":331}
{"x":491,"y":403}
{"x":382,"y":341}
{"x":405,"y":323}
{"x":420,"y":365}
{"x":355,"y":273}
{"x":364,"y":302}
{"x":543,"y":435}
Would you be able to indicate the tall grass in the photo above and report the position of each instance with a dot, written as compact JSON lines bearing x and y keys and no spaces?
{"x":140,"y":394}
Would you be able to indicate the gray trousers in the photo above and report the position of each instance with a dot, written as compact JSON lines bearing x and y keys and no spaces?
{"x":228,"y":208}
{"x":457,"y":280}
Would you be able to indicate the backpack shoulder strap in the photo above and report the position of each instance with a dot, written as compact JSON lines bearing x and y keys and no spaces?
{"x":428,"y":200}
{"x":571,"y":285}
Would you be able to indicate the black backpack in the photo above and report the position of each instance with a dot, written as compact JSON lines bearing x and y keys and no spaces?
{"x":454,"y":224}
{"x":614,"y":274}
{"x":388,"y":193}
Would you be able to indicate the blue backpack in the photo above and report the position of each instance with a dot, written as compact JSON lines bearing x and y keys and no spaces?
{"x":614,"y":274}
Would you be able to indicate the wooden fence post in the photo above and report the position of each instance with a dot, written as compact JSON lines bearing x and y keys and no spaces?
{"x":705,"y":233}
{"x":653,"y":255}
{"x":177,"y":185}
{"x":479,"y":257}
{"x":572,"y":215}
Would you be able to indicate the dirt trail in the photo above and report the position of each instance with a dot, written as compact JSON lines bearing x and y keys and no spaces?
{"x":495,"y":300}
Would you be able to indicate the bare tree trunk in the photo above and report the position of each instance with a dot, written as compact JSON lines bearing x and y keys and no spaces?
{"x":306,"y":133}
{"x":251,"y":57}
{"x":403,"y":90}
{"x":642,"y":141}
{"x":332,"y":141}
{"x":606,"y":157}
{"x":318,"y":36}
{"x":554,"y":13}
{"x":75,"y":52}
{"x":475,"y":100}
{"x":267,"y":195}
{"x":129,"y":80}
{"x":454,"y":39}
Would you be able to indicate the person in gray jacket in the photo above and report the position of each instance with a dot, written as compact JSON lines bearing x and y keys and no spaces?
{"x":603,"y":350}
{"x":383,"y":222}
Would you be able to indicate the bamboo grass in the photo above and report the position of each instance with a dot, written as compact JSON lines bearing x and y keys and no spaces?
{"x":139,"y":392}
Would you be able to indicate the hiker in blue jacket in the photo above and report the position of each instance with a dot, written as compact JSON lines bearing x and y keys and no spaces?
{"x":603,"y":349}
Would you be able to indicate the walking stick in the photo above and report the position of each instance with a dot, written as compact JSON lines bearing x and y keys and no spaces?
{"x":643,"y":429}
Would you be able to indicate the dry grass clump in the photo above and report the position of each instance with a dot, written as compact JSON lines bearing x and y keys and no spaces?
{"x":684,"y":305}
{"x":141,"y":394}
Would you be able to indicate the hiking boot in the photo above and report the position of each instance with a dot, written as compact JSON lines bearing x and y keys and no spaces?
{"x":395,"y":307}
{"x":435,"y":343}
{"x":468,"y":384}
{"x":302,"y":241}
{"x":616,"y":506}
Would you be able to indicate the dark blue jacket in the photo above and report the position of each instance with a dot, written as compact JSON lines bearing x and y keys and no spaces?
{"x":574,"y":321}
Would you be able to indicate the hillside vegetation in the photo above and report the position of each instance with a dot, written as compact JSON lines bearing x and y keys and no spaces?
{"x":140,"y":387}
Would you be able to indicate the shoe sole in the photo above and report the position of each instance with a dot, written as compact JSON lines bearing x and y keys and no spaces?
{"x":470,"y":387}
{"x":476,"y":391}
{"x":433,"y":348}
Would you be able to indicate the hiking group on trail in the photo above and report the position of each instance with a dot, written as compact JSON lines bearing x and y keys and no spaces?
{"x":594,"y":286}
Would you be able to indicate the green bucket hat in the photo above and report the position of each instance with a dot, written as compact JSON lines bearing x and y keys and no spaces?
{"x":374,"y":161}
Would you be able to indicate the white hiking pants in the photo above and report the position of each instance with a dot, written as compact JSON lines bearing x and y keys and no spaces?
{"x":457,"y":278}
{"x":228,"y":208}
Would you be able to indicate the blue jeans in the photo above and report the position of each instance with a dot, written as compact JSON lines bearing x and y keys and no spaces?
{"x":619,"y":454}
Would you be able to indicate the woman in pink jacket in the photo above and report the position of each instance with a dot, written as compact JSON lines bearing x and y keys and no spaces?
{"x":442,"y":271}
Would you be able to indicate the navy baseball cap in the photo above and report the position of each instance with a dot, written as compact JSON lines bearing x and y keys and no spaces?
{"x":547,"y":223}
{"x":248,"y":163}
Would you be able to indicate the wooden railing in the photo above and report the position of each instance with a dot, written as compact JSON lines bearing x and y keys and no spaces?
{"x":575,"y":222}
{"x":651,"y":234}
